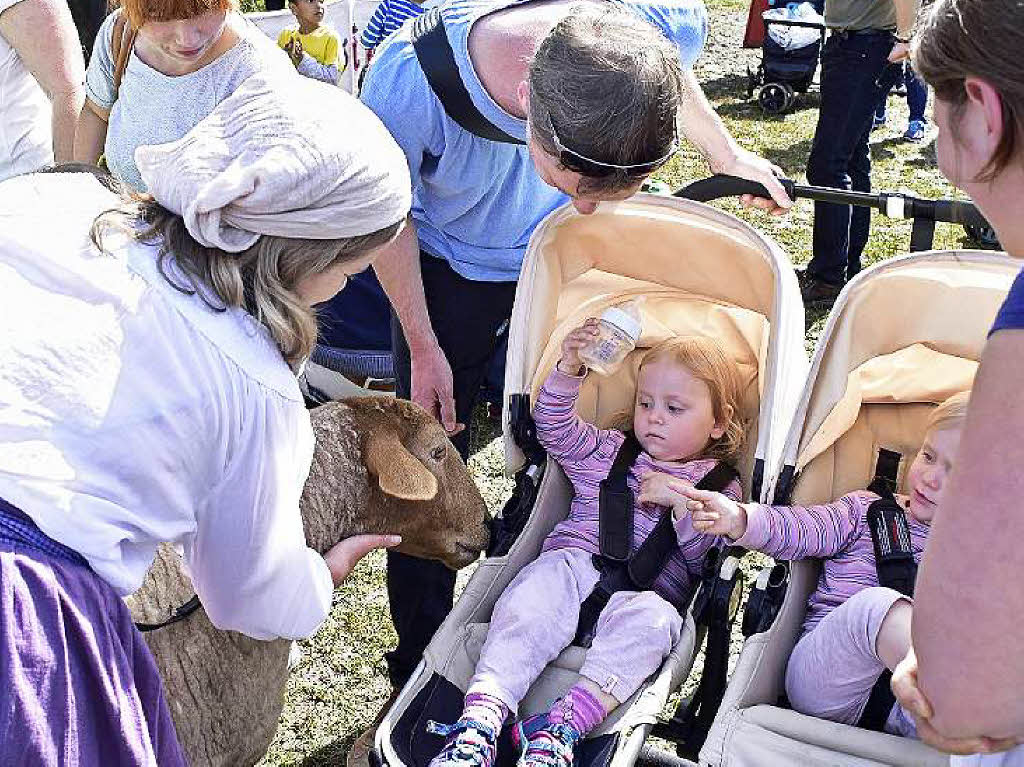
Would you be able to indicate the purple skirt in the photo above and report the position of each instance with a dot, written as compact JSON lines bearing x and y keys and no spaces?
{"x":78,"y":685}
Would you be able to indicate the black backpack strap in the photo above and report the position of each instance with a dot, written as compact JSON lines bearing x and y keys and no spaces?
{"x":615,"y":504}
{"x":646,"y":565}
{"x":434,"y":52}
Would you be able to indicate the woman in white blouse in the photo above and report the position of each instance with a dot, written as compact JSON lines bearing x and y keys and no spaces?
{"x":148,"y":394}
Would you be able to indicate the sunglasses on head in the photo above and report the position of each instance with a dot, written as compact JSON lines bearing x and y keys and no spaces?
{"x":587,"y":166}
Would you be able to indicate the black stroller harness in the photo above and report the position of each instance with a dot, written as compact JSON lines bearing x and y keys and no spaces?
{"x":620,"y":570}
{"x":894,"y":562}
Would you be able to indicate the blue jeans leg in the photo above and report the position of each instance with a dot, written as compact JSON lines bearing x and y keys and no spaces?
{"x":855,"y":76}
{"x":917,"y":95}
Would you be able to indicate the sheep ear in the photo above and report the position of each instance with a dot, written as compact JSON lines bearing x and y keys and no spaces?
{"x":398,"y":471}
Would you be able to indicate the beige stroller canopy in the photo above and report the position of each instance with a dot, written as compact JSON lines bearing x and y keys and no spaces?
{"x":700,"y":271}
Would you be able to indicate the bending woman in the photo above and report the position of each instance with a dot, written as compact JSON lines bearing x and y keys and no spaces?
{"x":148,"y":394}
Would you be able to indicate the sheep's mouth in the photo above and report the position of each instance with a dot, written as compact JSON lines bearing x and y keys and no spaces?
{"x":463,"y":555}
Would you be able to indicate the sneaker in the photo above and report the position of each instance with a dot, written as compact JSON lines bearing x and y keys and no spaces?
{"x":542,"y":743}
{"x":915,"y":131}
{"x":469,"y":744}
{"x":877,"y":122}
{"x":817,"y":293}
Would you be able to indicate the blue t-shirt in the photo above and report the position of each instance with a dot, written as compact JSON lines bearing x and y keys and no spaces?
{"x":1011,"y":313}
{"x":476,"y":202}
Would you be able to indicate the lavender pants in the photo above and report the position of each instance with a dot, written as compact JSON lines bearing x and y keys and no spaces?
{"x":535,"y":619}
{"x":834,"y":666}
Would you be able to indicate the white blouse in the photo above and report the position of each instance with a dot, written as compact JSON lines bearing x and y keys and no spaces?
{"x":132,"y":413}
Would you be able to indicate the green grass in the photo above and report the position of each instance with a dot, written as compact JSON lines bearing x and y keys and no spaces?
{"x":341,"y":679}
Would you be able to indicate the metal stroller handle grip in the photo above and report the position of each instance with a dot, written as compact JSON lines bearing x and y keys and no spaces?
{"x":720,"y":185}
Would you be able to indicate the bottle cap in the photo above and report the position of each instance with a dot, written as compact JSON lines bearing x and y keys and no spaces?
{"x":624,"y":321}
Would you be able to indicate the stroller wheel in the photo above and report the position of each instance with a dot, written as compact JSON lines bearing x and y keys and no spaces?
{"x":776,"y":98}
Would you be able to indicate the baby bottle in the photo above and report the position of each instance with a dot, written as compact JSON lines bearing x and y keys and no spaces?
{"x":618,"y":331}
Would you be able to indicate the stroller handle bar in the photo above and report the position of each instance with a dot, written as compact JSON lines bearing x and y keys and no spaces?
{"x":891,"y":204}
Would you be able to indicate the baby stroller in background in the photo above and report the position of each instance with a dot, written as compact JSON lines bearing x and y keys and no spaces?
{"x":702,"y":272}
{"x":790,"y":36}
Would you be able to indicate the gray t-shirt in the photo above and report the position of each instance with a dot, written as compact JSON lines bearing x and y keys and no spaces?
{"x":860,"y":14}
{"x":154,"y":108}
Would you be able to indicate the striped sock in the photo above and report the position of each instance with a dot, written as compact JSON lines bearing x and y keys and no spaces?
{"x":485,"y":709}
{"x":578,"y":709}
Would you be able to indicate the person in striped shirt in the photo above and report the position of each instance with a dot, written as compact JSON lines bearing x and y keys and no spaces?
{"x":388,"y":16}
{"x":685,"y":418}
{"x":854,"y":627}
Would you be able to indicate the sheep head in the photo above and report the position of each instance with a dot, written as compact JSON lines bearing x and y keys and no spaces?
{"x":404,"y":476}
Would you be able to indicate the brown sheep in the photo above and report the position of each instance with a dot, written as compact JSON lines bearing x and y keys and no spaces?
{"x":380,"y":466}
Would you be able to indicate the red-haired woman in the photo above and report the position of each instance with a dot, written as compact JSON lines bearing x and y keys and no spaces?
{"x":188,"y":56}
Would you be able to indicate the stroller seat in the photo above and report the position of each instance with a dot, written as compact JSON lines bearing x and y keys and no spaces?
{"x":903,"y":336}
{"x":701,"y":272}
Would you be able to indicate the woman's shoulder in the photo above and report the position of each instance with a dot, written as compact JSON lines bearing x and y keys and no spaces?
{"x":230,"y":334}
{"x":254,"y":52}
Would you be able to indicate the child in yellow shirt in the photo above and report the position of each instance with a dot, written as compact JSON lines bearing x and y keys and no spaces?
{"x":313,"y":46}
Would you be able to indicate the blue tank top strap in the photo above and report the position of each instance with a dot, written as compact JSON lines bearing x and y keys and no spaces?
{"x":18,"y":528}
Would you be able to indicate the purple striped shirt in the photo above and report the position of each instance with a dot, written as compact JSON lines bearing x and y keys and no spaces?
{"x":586,"y":454}
{"x":836,"y":532}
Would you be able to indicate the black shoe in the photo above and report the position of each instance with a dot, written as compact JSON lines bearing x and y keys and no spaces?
{"x":817,"y":293}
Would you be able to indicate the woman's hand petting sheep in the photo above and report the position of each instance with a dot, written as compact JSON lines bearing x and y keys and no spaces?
{"x":571,"y":363}
{"x":714,"y":513}
{"x":909,"y":695}
{"x":345,"y":555}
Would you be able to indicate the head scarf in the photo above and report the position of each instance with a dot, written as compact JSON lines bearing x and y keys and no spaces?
{"x":284,"y":155}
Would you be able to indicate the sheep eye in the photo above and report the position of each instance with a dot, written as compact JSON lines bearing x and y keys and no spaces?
{"x":438,"y":453}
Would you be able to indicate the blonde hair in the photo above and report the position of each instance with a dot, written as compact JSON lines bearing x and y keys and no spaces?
{"x":138,"y":12}
{"x":262,"y":279}
{"x":706,"y":362}
{"x":950,"y":413}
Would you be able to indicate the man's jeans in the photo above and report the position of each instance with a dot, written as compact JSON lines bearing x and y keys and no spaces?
{"x":855,"y":75}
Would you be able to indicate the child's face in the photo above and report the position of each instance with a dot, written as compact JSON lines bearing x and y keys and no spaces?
{"x":930,"y":470}
{"x":186,"y":40}
{"x":309,"y":12}
{"x":673,"y":418}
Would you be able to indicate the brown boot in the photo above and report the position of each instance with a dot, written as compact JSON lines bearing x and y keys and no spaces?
{"x":359,"y":754}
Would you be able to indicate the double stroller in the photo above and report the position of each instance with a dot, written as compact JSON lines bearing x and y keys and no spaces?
{"x":898,"y":340}
{"x":790,"y":36}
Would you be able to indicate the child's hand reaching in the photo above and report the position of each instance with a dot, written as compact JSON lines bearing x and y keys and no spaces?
{"x":714,"y":513}
{"x":571,"y":363}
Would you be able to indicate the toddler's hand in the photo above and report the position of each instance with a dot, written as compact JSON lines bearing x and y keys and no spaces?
{"x":571,"y":363}
{"x":662,"y":489}
{"x":715,"y":513}
{"x":296,"y":51}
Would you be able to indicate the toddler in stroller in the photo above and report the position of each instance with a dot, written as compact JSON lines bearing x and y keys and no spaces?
{"x":685,"y":422}
{"x":855,"y":628}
